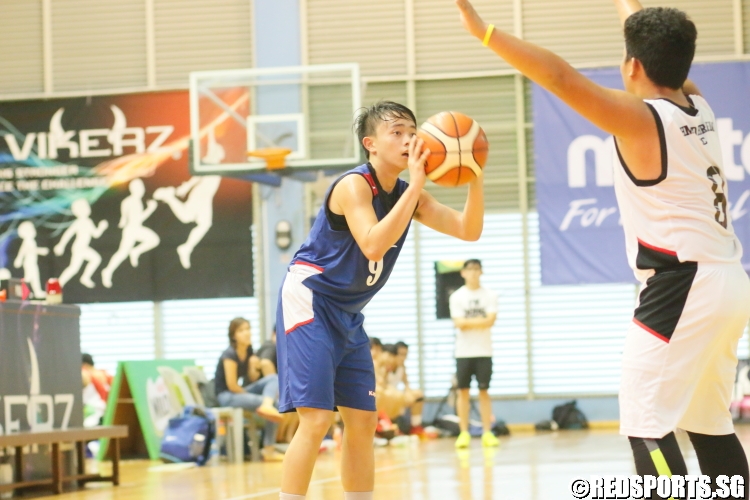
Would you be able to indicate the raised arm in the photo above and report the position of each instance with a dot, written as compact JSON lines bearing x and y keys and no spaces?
{"x":627,"y":7}
{"x":614,"y":111}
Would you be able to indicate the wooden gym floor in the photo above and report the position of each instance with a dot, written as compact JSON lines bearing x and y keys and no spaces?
{"x":527,"y":466}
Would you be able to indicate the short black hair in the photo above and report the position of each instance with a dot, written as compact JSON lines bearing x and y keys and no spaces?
{"x":469,"y":262}
{"x":401,"y":344}
{"x":375,"y":342}
{"x":390,"y":348}
{"x":663,"y":40}
{"x":368,"y":119}
{"x":87,"y":359}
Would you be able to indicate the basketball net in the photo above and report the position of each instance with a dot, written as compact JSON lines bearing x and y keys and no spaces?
{"x":275,"y":158}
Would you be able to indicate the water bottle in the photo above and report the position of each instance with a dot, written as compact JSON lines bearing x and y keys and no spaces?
{"x":198,"y":445}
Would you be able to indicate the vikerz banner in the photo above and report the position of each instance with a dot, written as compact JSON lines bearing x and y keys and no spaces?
{"x":582,"y":240}
{"x":97,"y":192}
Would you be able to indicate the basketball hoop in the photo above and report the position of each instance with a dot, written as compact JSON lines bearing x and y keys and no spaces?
{"x":275,"y":158}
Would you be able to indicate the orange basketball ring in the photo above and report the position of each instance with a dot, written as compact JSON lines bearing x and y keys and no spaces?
{"x":275,"y":158}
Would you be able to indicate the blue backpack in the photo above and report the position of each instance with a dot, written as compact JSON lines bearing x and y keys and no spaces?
{"x":188,"y":437}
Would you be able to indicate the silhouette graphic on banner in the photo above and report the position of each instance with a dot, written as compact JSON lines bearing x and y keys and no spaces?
{"x":198,"y":208}
{"x":83,"y":230}
{"x":104,"y":183}
{"x":137,"y":239}
{"x":28,"y":257}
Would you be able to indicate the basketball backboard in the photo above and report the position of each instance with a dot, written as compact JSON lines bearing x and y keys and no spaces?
{"x":308,"y":110}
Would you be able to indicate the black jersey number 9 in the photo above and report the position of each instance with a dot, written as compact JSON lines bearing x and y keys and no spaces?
{"x":720,"y":197}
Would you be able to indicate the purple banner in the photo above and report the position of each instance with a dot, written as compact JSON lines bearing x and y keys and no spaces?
{"x":581,"y":237}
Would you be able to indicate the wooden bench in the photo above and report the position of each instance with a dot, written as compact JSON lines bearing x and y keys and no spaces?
{"x":79,"y":436}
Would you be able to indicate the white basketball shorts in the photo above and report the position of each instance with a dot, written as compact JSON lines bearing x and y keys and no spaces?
{"x":680,"y":358}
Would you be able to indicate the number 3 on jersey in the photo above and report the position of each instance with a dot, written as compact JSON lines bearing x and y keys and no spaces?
{"x":720,"y":198}
{"x":376,"y":269}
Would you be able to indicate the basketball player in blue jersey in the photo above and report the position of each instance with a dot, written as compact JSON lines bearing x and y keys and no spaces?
{"x":680,"y":353}
{"x":323,"y":351}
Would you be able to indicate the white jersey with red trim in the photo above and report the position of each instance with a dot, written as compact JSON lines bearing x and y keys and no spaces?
{"x":682,"y":216}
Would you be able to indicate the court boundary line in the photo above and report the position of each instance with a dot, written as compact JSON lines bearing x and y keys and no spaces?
{"x":335,"y":478}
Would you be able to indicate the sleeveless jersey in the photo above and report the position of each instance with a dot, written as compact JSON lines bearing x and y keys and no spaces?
{"x":344,"y":274}
{"x":682,"y":215}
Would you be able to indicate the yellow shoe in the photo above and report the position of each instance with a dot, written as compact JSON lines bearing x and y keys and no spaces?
{"x":489,"y":440}
{"x":463,"y":440}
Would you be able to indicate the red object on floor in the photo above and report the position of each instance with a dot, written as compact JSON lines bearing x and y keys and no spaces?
{"x":417,"y":430}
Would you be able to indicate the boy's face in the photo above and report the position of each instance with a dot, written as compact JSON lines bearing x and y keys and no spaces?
{"x":391,"y":142}
{"x":471,"y":274}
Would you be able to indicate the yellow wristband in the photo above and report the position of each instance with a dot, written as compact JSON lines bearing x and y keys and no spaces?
{"x":487,"y":35}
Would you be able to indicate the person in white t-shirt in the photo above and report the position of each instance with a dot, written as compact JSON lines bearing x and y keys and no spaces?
{"x":473,"y":311}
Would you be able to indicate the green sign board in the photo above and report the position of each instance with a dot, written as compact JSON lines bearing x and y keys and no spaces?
{"x":140,"y":398}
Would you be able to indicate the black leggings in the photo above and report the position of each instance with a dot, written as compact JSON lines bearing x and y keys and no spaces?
{"x":717,"y":455}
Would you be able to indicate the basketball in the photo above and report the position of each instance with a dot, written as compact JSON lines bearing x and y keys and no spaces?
{"x":458,"y":148}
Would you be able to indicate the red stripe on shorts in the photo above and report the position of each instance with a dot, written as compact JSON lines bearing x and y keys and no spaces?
{"x":303,"y":323}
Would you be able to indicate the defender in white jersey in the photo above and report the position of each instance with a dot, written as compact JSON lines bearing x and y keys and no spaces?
{"x":680,"y":352}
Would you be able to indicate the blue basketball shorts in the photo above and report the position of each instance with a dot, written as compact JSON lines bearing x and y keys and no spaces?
{"x":323,"y":351}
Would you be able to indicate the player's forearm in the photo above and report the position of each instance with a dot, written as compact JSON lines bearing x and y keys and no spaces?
{"x":625,"y":8}
{"x":472,"y":218}
{"x":536,"y":63}
{"x":383,"y":235}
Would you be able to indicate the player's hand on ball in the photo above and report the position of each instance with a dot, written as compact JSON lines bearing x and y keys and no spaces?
{"x":417,"y":158}
{"x":470,"y":19}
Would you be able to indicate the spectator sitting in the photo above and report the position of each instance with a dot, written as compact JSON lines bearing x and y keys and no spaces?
{"x":376,"y":349}
{"x":259,"y":395}
{"x":398,"y":378}
{"x":101,"y":380}
{"x":268,"y":366}
{"x":93,"y":404}
{"x":388,"y":399}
